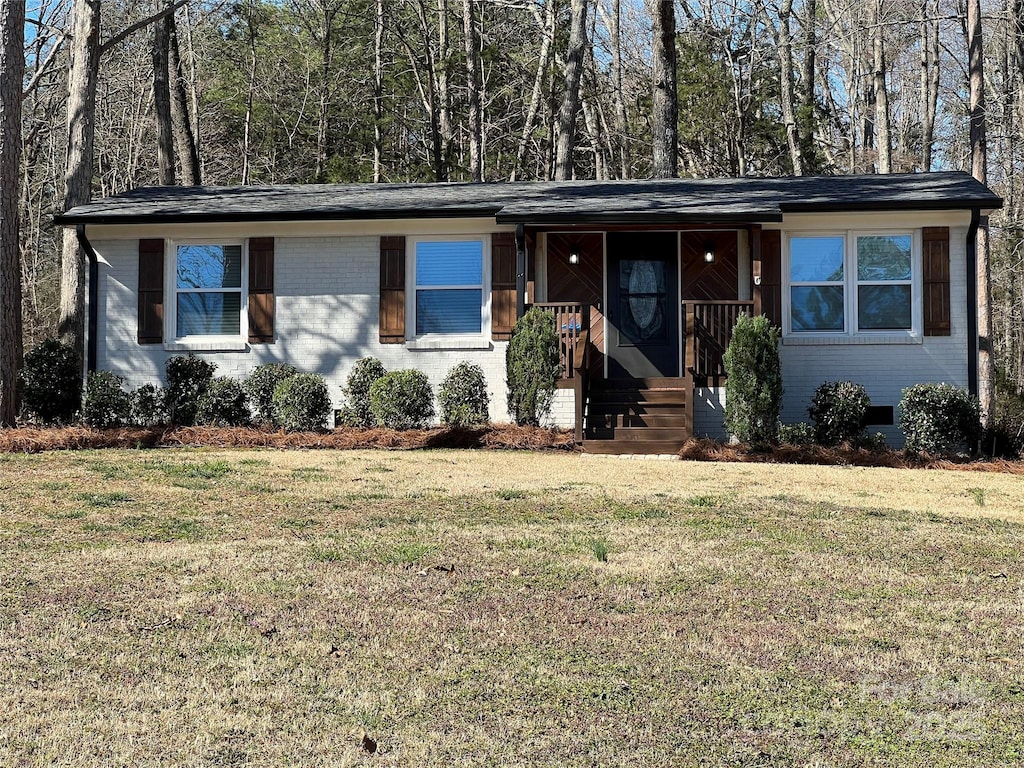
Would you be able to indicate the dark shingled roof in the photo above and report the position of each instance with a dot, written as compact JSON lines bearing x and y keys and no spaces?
{"x":657,"y":201}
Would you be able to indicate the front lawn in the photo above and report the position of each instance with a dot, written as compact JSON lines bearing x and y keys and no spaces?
{"x":204,"y":607}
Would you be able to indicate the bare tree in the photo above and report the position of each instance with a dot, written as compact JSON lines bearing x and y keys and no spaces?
{"x":162,"y":103}
{"x":979,"y":169}
{"x":880,"y":89}
{"x":547,"y":35}
{"x":665,"y":107}
{"x":566,"y":131}
{"x":784,"y":41}
{"x":929,"y":79}
{"x":12,"y":75}
{"x":476,"y":168}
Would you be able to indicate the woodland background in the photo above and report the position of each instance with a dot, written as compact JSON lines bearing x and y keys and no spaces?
{"x":295,"y":91}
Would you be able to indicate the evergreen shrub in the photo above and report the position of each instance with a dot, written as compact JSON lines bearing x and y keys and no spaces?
{"x":51,"y":383}
{"x":356,"y":411}
{"x":939,"y":418}
{"x":187,"y":379}
{"x":532,"y":367}
{"x":402,"y":400}
{"x":838,"y":409}
{"x":223,"y":404}
{"x":302,"y":403}
{"x":753,"y":389}
{"x":260,"y":388}
{"x":106,"y":402}
{"x":149,"y":406}
{"x":463,"y":396}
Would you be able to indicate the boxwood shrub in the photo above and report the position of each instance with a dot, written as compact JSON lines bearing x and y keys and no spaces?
{"x":463,"y":396}
{"x":356,"y":411}
{"x":187,"y":379}
{"x":939,"y":418}
{"x":402,"y":400}
{"x":106,"y":402}
{"x":302,"y":403}
{"x":260,"y":388}
{"x":223,"y":404}
{"x":51,"y":383}
{"x":838,"y":409}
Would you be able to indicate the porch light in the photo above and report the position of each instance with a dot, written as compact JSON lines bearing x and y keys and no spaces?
{"x":574,"y":257}
{"x":709,"y":253}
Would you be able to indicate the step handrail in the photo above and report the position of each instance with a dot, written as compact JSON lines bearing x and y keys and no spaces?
{"x":580,"y":364}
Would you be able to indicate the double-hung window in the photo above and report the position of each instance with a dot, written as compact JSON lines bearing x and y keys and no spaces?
{"x":853,"y":284}
{"x":207,"y":285}
{"x":448,"y":296}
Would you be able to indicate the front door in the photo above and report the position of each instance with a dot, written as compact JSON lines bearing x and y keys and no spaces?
{"x":643,"y":304}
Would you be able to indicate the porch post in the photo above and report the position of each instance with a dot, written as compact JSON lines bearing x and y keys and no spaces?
{"x":755,"y":267}
{"x":520,"y":271}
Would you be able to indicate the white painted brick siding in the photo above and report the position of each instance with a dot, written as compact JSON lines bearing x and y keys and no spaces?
{"x":327,"y":300}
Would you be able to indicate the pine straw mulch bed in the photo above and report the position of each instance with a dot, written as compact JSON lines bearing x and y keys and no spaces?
{"x":504,"y":436}
{"x":496,"y":437}
{"x":843,"y":455}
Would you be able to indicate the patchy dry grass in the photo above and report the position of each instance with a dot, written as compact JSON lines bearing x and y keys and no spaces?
{"x":204,"y":607}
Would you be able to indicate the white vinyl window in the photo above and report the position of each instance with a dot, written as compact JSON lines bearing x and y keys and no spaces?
{"x":447,"y":278}
{"x":853,"y":284}
{"x":206,"y":282}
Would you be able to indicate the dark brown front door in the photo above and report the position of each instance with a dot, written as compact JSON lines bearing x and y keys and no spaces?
{"x":643,"y":304}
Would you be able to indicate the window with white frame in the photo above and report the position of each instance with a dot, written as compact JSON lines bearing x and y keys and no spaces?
{"x":852,"y":283}
{"x":448,"y":286}
{"x":207,"y":289}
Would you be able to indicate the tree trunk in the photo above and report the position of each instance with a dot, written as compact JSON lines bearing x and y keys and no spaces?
{"x":476,"y":167}
{"x":12,"y":75}
{"x":785,"y":49}
{"x":878,"y":70}
{"x":83,"y":75}
{"x":665,"y":106}
{"x":806,"y":119}
{"x":571,"y":98}
{"x":444,"y":95}
{"x":979,"y":169}
{"x":186,"y":144}
{"x":929,"y":82}
{"x":323,"y":114}
{"x":378,"y":93}
{"x":162,"y":104}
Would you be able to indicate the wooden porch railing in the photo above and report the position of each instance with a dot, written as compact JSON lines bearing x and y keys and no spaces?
{"x":709,"y":327}
{"x":572,"y":321}
{"x":581,"y":367}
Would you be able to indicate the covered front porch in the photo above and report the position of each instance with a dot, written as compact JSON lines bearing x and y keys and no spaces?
{"x":644,"y":318}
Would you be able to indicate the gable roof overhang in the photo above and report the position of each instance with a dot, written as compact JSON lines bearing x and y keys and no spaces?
{"x":657,"y":202}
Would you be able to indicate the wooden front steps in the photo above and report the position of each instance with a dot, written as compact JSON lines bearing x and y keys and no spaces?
{"x":637,"y":416}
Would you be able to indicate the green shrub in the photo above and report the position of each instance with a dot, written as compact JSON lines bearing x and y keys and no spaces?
{"x":223,"y":404}
{"x":302,"y":403}
{"x":939,"y":418}
{"x":187,"y":379}
{"x":838,"y":409}
{"x":149,"y":406}
{"x":356,"y":410}
{"x":260,"y":388}
{"x":753,"y":389}
{"x":402,"y":400}
{"x":800,"y":434}
{"x":51,"y":383}
{"x":463,"y":396}
{"x":532,"y":367}
{"x":106,"y":403}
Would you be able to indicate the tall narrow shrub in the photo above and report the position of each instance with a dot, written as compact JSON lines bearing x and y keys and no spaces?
{"x":51,"y":383}
{"x":753,"y":389}
{"x":188,"y":377}
{"x":356,"y":411}
{"x":532,"y":367}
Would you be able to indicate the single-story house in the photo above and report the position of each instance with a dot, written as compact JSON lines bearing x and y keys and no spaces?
{"x":870,"y":278}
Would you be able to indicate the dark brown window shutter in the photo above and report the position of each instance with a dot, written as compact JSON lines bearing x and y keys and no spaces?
{"x":261,"y":290}
{"x":771,"y":275}
{"x":935,"y":258}
{"x":392,"y":290}
{"x":503,"y":285}
{"x":151,"y":291}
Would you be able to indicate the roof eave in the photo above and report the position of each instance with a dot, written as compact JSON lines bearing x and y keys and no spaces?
{"x":898,"y":205}
{"x":654,"y":219}
{"x":65,"y":219}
